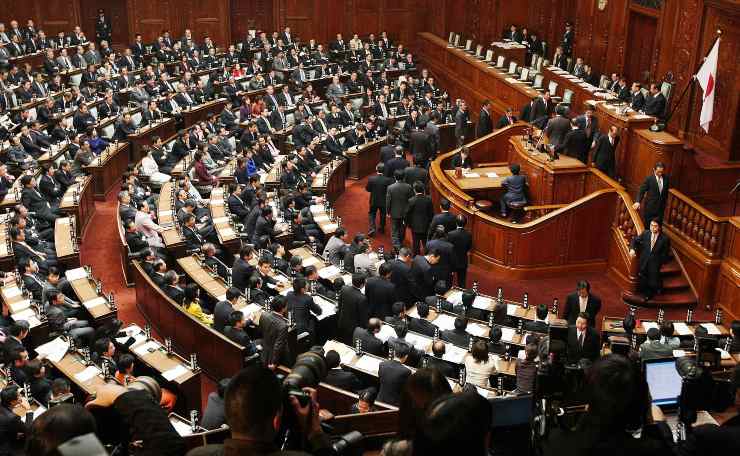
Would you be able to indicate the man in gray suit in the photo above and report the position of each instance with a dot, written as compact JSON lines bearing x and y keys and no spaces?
{"x":432,"y":130}
{"x":557,"y":127}
{"x":396,"y":202}
{"x":274,"y":330}
{"x":335,"y":91}
{"x":515,"y":187}
{"x":653,"y":348}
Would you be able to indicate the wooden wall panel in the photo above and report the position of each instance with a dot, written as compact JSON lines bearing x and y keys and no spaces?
{"x":250,"y":14}
{"x":150,"y":18}
{"x":206,"y":18}
{"x":52,"y":16}
{"x":116,"y":10}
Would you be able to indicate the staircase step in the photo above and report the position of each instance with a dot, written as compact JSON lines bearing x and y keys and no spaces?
{"x":670,"y":268}
{"x":674,"y":282}
{"x":668,"y":299}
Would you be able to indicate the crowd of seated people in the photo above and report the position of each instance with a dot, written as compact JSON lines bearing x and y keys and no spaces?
{"x":381,"y":295}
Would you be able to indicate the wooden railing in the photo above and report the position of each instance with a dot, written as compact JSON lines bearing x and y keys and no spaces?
{"x":694,"y":224}
{"x":535,"y":212}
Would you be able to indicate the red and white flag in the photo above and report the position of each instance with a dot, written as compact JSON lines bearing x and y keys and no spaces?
{"x":707,"y":77}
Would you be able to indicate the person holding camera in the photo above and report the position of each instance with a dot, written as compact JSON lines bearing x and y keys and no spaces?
{"x":255,"y":414}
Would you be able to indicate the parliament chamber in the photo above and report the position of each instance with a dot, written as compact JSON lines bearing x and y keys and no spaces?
{"x":374,"y":228}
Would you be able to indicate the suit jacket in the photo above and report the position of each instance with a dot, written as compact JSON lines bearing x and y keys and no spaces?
{"x":221,"y":314}
{"x":462,"y":242}
{"x":536,"y":326}
{"x":650,"y":261}
{"x":370,"y":343}
{"x":651,"y":349}
{"x":556,"y":130}
{"x":381,"y":294}
{"x":590,"y":348}
{"x":343,"y":379}
{"x":377,"y":186}
{"x":392,"y":376}
{"x":505,"y":122}
{"x":419,"y":213}
{"x":394,"y":164}
{"x":446,"y":219}
{"x":302,"y":306}
{"x":573,"y":308}
{"x":444,"y":367}
{"x":459,"y":338}
{"x":485,"y":124}
{"x":655,"y":105}
{"x":576,"y":144}
{"x":353,"y":312}
{"x":637,"y":101}
{"x":421,"y":326}
{"x":655,"y":200}
{"x":413,"y":174}
{"x":240,"y":274}
{"x":397,"y":199}
{"x":274,"y":330}
{"x":421,"y":277}
{"x":604,"y":157}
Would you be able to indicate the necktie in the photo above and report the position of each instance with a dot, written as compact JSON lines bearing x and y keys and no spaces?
{"x":653,"y":238}
{"x":580,"y":340}
{"x":660,"y":185}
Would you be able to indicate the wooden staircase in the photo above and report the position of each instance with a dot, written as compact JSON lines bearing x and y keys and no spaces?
{"x":677,"y":293}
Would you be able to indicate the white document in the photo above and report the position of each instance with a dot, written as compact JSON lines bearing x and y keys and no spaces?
{"x":310,"y":261}
{"x":174,"y":372}
{"x":321,"y":218}
{"x":492,"y":175}
{"x":226,"y":232}
{"x":55,"y":350}
{"x":471,"y":175}
{"x":455,"y":297}
{"x":444,"y":322}
{"x":29,"y":315}
{"x":679,"y":353}
{"x":507,"y":334}
{"x":454,"y":354}
{"x":221,"y":220}
{"x":11,"y":292}
{"x":368,"y":364}
{"x":99,"y":301}
{"x":386,"y":332}
{"x":165,"y":213}
{"x":477,"y":330}
{"x":511,"y":309}
{"x":19,"y":306}
{"x":87,"y":374}
{"x":723,"y":353}
{"x":682,"y":329}
{"x":712,"y":329}
{"x":76,"y":274}
{"x":327,"y":307}
{"x":328,"y":272}
{"x":650,"y":324}
{"x":183,"y":429}
{"x":419,"y":342}
{"x":143,"y":349}
{"x":317,"y":209}
{"x":330,"y":228}
{"x":481,"y":302}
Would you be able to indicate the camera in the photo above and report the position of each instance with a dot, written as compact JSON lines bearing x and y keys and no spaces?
{"x":308,"y":371}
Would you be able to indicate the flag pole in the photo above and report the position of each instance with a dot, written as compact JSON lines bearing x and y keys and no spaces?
{"x":690,"y":83}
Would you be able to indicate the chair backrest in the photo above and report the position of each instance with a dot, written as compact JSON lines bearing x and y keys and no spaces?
{"x":603,"y":82}
{"x":545,"y":63}
{"x":553,"y":87}
{"x":540,"y":62}
{"x":500,"y":62}
{"x":489,"y":55}
{"x":451,"y":39}
{"x":468,"y":45}
{"x":538,"y":79}
{"x":645,"y":92}
{"x":512,"y":67}
{"x":478,"y":50}
{"x":666,"y":88}
{"x":108,"y":130}
{"x":525,"y":74}
{"x":457,"y":40}
{"x":567,"y":96}
{"x":535,"y":58}
{"x":76,"y":79}
{"x":136,"y":117}
{"x":570,"y":64}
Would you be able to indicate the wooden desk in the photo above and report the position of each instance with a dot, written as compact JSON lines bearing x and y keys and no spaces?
{"x":218,"y":355}
{"x":510,"y":50}
{"x":329,"y":181}
{"x":613,"y":325}
{"x":222,"y":221}
{"x":101,"y":308}
{"x":143,"y":137}
{"x":363,"y":159}
{"x":481,"y":178}
{"x":196,"y":114}
{"x":167,"y":219}
{"x":326,"y":224}
{"x":79,"y":201}
{"x":582,"y":91}
{"x":65,"y":243}
{"x":19,"y":308}
{"x":108,"y":168}
{"x":7,"y":259}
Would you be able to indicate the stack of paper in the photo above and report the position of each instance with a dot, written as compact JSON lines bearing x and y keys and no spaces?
{"x":19,"y":306}
{"x":327,"y":307}
{"x":712,"y":329}
{"x":87,"y":374}
{"x":492,"y":175}
{"x":471,"y":175}
{"x":647,"y":325}
{"x":507,"y":334}
{"x":445,"y":322}
{"x":419,"y":342}
{"x":99,"y":301}
{"x":143,"y":349}
{"x":11,"y":292}
{"x":682,"y":329}
{"x":55,"y":350}
{"x":368,"y":364}
{"x":481,"y":302}
{"x":76,"y":274}
{"x":477,"y":329}
{"x":175,"y":372}
{"x":385,"y":333}
{"x":454,"y":354}
{"x":511,"y":309}
{"x":328,"y":272}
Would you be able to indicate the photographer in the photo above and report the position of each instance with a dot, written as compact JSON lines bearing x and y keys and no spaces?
{"x":254,"y":412}
{"x":57,"y":426}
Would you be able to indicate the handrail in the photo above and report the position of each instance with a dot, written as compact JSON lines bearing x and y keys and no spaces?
{"x":696,"y":225}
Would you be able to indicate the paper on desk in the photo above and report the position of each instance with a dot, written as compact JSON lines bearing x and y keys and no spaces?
{"x":483,"y":303}
{"x":68,"y":200}
{"x":476,"y":329}
{"x":346,"y":353}
{"x":454,"y":354}
{"x":75,"y":274}
{"x":327,"y":307}
{"x":492,"y":175}
{"x":712,"y":329}
{"x":226,"y":232}
{"x":471,"y":175}
{"x":220,"y":220}
{"x":368,"y":364}
{"x":328,"y":272}
{"x":444,"y":322}
{"x":511,"y":309}
{"x":321,"y":218}
{"x":29,"y":316}
{"x":143,"y":349}
{"x":682,"y":329}
{"x":455,"y":297}
{"x":507,"y":334}
{"x":183,"y":429}
{"x":724,"y":354}
{"x":251,"y":311}
{"x":99,"y":301}
{"x":421,"y":343}
{"x":317,"y":209}
{"x":174,"y":372}
{"x":679,"y":353}
{"x":165,"y":213}
{"x":55,"y":350}
{"x":386,"y":332}
{"x":87,"y":374}
{"x":649,"y":324}
{"x":217,"y":202}
{"x":330,"y":227}
{"x":310,"y":261}
{"x":19,"y":306}
{"x":11,"y":292}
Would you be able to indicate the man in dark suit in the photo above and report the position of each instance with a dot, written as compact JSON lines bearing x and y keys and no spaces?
{"x":462,"y":243}
{"x":655,"y":191}
{"x":515,"y":186}
{"x":459,"y":335}
{"x":653,"y":247}
{"x":396,"y":202}
{"x":353,"y":309}
{"x":421,"y":276}
{"x":582,"y":301}
{"x":485,"y":124}
{"x":401,"y":273}
{"x":242,"y":270}
{"x":637,"y":99}
{"x":507,"y":119}
{"x":436,"y":361}
{"x":380,"y":292}
{"x":398,"y":162}
{"x":589,"y":124}
{"x":377,"y":186}
{"x":656,"y":103}
{"x":274,"y":328}
{"x":370,"y":343}
{"x":392,"y":376}
{"x":303,"y":308}
{"x":604,"y":154}
{"x":539,"y":324}
{"x":418,"y":216}
{"x":557,"y":127}
{"x":422,"y":325}
{"x":223,"y":309}
{"x":576,"y":143}
{"x":583,"y":341}
{"x":338,"y":377}
{"x":444,"y":218}
{"x":461,"y":123}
